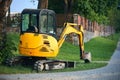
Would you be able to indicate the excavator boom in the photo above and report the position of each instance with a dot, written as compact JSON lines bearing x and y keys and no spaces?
{"x":70,"y":28}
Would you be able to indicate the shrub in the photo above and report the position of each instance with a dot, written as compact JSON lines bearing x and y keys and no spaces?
{"x":10,"y":46}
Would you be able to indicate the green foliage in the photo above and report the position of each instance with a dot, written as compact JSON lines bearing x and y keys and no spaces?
{"x":11,"y":46}
{"x":56,"y":5}
{"x":16,"y":20}
{"x":95,"y":10}
{"x":114,"y":17}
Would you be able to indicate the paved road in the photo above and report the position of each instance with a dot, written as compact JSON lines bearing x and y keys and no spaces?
{"x":110,"y":72}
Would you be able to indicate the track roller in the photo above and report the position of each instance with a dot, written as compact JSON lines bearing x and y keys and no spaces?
{"x":39,"y":66}
{"x":13,"y":61}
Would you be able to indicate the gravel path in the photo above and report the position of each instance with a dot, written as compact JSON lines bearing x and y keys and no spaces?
{"x":110,"y":72}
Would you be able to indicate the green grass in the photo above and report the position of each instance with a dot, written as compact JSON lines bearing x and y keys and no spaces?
{"x":14,"y":69}
{"x":69,"y":52}
{"x":20,"y":69}
{"x":101,"y":49}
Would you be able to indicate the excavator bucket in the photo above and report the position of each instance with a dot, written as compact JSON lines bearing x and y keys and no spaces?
{"x":87,"y":57}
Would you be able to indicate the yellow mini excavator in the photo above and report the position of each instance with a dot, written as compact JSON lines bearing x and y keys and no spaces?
{"x":38,"y":40}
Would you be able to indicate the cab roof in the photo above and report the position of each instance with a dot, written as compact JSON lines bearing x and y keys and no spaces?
{"x":38,"y":11}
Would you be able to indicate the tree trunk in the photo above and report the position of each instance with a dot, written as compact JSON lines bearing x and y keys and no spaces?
{"x":8,"y":18}
{"x":68,"y":9}
{"x":67,"y":12}
{"x":68,"y":5}
{"x":4,"y":6}
{"x":42,"y":4}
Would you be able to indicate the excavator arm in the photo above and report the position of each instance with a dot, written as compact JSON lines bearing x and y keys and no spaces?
{"x":69,"y":28}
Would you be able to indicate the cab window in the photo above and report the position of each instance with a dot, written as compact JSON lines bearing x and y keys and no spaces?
{"x":29,"y":23}
{"x":51,"y":24}
{"x":47,"y":23}
{"x":43,"y":23}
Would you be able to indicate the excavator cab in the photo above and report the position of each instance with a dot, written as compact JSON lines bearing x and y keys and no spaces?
{"x":38,"y":21}
{"x":38,"y":33}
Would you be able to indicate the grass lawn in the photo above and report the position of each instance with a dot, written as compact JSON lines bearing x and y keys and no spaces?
{"x":101,"y":49}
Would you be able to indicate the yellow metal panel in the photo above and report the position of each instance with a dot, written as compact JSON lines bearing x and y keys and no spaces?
{"x":40,"y":45}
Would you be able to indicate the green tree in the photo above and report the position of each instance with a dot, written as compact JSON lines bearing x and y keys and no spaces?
{"x":114,"y":17}
{"x":57,"y":6}
{"x":95,"y":10}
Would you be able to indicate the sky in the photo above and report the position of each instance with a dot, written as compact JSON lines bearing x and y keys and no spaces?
{"x":19,"y":5}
